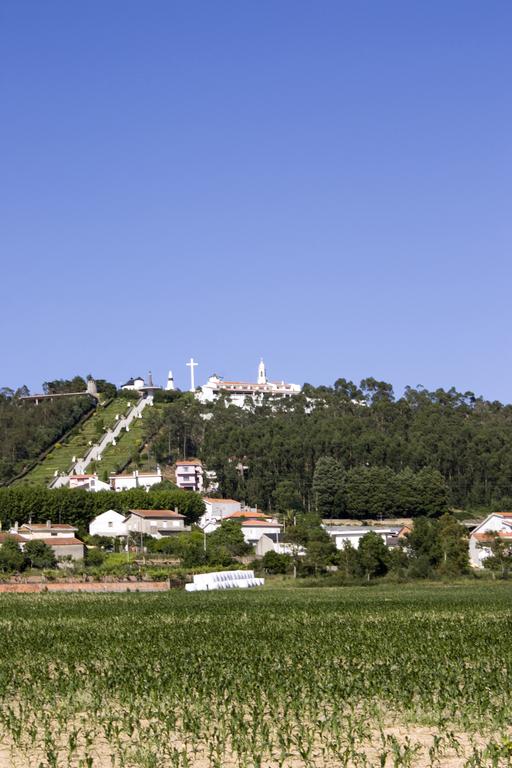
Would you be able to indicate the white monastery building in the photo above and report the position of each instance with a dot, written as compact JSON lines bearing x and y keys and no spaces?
{"x":189,"y":475}
{"x":238,"y":391}
{"x":497,"y":523}
{"x":109,"y":523}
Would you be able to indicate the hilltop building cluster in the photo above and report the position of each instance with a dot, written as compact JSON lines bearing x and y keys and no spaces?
{"x":235,"y":392}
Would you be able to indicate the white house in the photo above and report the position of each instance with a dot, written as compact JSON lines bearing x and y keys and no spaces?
{"x":499,"y":523}
{"x":48,"y":530}
{"x":136,"y":480}
{"x":254,"y":529}
{"x":155,"y":522}
{"x":254,"y":524}
{"x":238,"y":391}
{"x":241,"y":515}
{"x":59,"y":536}
{"x":109,"y":523}
{"x":217,"y":509}
{"x":353,"y":534}
{"x":88,"y":483}
{"x":189,"y":475}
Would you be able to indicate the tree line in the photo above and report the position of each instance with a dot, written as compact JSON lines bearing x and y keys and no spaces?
{"x":433,"y":548}
{"x":417,"y":454}
{"x":78,"y":507}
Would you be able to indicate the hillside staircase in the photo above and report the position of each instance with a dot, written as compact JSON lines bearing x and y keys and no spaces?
{"x":110,"y":438}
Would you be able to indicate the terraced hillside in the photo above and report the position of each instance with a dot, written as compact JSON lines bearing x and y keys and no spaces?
{"x":116,"y":457}
{"x":60,"y":458}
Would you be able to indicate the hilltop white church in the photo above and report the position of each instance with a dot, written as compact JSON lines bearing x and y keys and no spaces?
{"x":238,"y":391}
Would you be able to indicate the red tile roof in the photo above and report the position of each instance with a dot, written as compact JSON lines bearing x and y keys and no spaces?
{"x":63,"y":541}
{"x":44,"y":527}
{"x":264,"y":523}
{"x":12,"y":536}
{"x":165,"y":514}
{"x":489,"y":535}
{"x":244,"y":513}
{"x":220,"y":501}
{"x":134,"y":477}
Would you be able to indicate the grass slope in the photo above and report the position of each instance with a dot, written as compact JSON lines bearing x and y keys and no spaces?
{"x":77,"y":444}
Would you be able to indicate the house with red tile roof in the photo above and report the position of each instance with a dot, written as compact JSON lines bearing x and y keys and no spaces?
{"x":253,"y":522}
{"x":155,"y":522}
{"x":495,"y":524}
{"x":59,"y":536}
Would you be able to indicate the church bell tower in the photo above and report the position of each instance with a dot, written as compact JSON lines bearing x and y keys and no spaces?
{"x":262,"y":374}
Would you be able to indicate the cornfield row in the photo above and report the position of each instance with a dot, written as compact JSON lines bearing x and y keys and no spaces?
{"x":357,"y":677}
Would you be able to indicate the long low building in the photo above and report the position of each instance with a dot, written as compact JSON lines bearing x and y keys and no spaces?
{"x":342,"y":534}
{"x":59,"y":536}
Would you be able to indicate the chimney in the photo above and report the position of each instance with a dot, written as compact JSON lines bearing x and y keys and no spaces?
{"x":16,"y":526}
{"x":48,"y":523}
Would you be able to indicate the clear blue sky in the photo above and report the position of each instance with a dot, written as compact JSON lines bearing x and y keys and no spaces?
{"x":326,"y":184}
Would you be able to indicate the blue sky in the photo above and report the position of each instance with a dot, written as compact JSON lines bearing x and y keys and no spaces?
{"x":324,"y":184}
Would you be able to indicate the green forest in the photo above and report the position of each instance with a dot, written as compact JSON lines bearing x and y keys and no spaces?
{"x":343,"y":451}
{"x":417,"y":454}
{"x":27,"y":430}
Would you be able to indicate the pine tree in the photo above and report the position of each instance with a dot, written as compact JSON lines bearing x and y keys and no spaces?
{"x":328,"y":486}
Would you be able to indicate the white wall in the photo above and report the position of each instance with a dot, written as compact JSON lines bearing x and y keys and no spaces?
{"x":354,"y":538}
{"x":494,"y":523}
{"x":220,"y":508}
{"x":253,"y":534}
{"x":127,"y":482}
{"x":109,"y":523}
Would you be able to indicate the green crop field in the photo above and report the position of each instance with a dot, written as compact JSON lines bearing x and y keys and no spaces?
{"x":382,"y":676}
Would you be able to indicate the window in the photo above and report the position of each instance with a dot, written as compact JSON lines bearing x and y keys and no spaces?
{"x":110,"y":524}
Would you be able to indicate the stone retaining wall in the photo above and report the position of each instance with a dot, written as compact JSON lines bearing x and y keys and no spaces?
{"x":92,"y":586}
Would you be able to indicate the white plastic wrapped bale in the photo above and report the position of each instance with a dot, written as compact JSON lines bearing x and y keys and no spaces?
{"x":224,"y":580}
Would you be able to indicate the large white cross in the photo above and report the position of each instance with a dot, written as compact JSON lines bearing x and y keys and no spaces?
{"x":192,"y":365}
